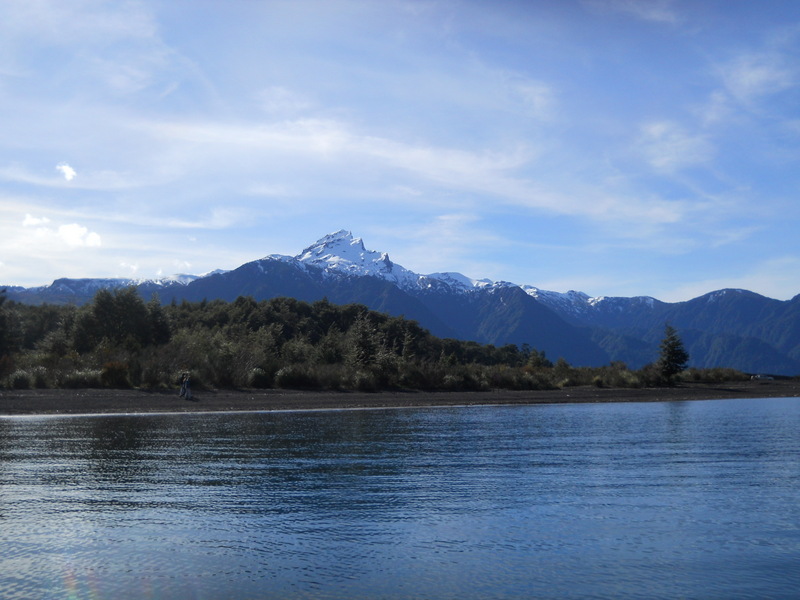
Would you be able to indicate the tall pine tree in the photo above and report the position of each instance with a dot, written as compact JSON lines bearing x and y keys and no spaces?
{"x":673,"y":357}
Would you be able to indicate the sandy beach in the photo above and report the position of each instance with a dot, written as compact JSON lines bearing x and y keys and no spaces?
{"x":111,"y":401}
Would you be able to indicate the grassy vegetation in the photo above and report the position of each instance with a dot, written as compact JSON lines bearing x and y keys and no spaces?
{"x":120,"y":341}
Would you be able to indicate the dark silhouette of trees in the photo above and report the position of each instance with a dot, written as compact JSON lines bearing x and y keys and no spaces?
{"x":119,"y":340}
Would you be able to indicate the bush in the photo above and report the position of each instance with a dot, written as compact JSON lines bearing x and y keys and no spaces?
{"x":115,"y":375}
{"x":714,"y":375}
{"x":20,"y":380}
{"x":420,"y":376}
{"x":453,"y":382}
{"x":153,"y":376}
{"x":87,"y":378}
{"x":364,"y":381}
{"x":650,"y":376}
{"x":41,"y":379}
{"x":541,"y":380}
{"x":330,"y":377}
{"x":295,"y":376}
{"x":259,"y":378}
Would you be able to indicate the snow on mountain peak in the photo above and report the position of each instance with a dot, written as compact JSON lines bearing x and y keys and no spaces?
{"x":341,"y":253}
{"x":457,"y":280}
{"x":341,"y":245}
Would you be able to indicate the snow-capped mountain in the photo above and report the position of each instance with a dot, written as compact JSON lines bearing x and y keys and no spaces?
{"x":342,"y":254}
{"x":730,"y":328}
{"x":79,"y":291}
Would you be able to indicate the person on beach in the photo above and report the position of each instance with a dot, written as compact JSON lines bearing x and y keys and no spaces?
{"x":186,"y":388}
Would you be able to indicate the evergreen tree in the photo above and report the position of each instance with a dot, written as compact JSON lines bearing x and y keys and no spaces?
{"x":4,"y":337}
{"x":6,"y":363}
{"x":673,"y":357}
{"x":159,"y":325}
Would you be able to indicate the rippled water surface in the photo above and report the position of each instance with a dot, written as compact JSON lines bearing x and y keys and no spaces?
{"x":654,"y":500}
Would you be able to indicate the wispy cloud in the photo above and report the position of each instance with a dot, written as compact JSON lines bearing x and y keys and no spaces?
{"x":770,"y":277}
{"x":447,"y":241}
{"x":102,"y":180}
{"x":278,"y":99}
{"x":537,"y":98}
{"x":504,"y":173}
{"x":659,"y":11}
{"x":82,"y":23}
{"x":753,"y":76}
{"x":618,"y":130}
{"x":668,"y":146}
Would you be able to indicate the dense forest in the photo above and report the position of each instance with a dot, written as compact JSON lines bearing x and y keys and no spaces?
{"x":119,"y":340}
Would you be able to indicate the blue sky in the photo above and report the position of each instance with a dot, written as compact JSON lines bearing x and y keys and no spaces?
{"x":616,"y":147}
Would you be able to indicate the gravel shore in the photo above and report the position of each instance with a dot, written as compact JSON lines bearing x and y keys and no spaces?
{"x":109,"y":401}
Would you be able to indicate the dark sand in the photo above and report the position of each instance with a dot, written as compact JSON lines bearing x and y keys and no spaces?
{"x":104,"y":401}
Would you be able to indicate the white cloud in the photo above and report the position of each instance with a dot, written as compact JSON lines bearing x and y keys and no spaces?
{"x":72,"y":234}
{"x":68,"y":172}
{"x":668,"y":147}
{"x":131,"y":269}
{"x":76,"y":236}
{"x":31,"y":221}
{"x":753,"y":76}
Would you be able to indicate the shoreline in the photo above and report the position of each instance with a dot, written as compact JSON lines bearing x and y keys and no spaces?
{"x":129,"y":401}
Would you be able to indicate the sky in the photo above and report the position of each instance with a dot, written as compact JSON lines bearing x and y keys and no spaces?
{"x":614,"y":147}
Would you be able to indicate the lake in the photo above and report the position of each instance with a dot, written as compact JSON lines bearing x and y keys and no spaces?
{"x":618,"y":500}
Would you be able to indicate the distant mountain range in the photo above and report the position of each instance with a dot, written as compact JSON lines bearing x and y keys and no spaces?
{"x":727,"y":328}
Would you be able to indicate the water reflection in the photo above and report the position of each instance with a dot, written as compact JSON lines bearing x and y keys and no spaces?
{"x":693,"y":500}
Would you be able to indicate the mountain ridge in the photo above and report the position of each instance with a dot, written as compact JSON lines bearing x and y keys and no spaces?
{"x":725,"y":328}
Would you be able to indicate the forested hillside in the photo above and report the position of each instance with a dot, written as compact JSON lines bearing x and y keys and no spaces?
{"x":119,"y":340}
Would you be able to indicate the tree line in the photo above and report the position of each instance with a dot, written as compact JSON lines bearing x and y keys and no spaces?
{"x":119,"y":340}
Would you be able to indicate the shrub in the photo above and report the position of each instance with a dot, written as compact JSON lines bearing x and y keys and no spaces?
{"x":115,"y":375}
{"x":41,"y":379}
{"x":87,"y":378}
{"x":453,"y":382}
{"x":153,"y":376}
{"x":650,"y":376}
{"x":713,"y":375}
{"x":420,"y":376}
{"x":297,"y":351}
{"x":295,"y":376}
{"x":541,"y":380}
{"x":6,"y":365}
{"x":364,"y":381}
{"x":330,"y":377}
{"x":259,"y":378}
{"x":20,"y":380}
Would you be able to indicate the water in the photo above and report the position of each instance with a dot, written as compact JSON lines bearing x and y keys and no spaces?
{"x":653,"y":500}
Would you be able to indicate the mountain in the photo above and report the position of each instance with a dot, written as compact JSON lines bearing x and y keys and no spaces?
{"x":726,"y":328}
